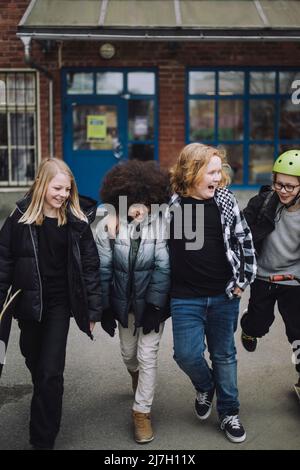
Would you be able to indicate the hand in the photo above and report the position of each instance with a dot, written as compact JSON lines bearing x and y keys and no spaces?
{"x":151,"y":319}
{"x":92,"y":326}
{"x":108,"y":322}
{"x":112,"y":223}
{"x":237,"y":292}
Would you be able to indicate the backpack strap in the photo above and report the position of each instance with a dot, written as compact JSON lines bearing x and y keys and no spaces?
{"x":264,"y":206}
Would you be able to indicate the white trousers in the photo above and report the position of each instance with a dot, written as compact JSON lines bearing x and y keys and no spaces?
{"x":140,"y":353}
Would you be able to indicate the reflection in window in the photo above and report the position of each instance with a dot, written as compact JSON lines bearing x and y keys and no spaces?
{"x":289,"y":124}
{"x":18,"y":122}
{"x":231,"y":83}
{"x":202,"y":120}
{"x":22,"y":129}
{"x":141,"y":83}
{"x":286,"y":79}
{"x":89,"y":135}
{"x":142,"y":152}
{"x":262,"y":119}
{"x":22,"y":164}
{"x":261,"y":158}
{"x":3,"y":164}
{"x":285,"y":147}
{"x":140,"y":120}
{"x":2,"y":89}
{"x":3,"y":130}
{"x":80,"y":83}
{"x":234,"y":155}
{"x":262,"y":124}
{"x":202,"y":83}
{"x":109,"y":83}
{"x":262,"y":82}
{"x":21,"y":88}
{"x":230,"y":125}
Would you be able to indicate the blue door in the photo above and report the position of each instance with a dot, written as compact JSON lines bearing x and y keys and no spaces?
{"x":95,"y":139}
{"x":108,"y":116}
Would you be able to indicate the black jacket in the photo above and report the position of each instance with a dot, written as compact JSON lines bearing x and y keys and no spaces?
{"x":19,"y":267}
{"x":260,"y":214}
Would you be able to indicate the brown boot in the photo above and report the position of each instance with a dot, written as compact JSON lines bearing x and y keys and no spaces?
{"x":142,"y":427}
{"x":135,"y":379}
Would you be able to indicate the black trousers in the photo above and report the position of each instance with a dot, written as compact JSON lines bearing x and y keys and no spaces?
{"x":44,"y":347}
{"x":260,"y":315}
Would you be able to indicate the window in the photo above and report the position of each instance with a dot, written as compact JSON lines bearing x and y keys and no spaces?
{"x":249,"y":112}
{"x":133,"y":124}
{"x":18,"y":123}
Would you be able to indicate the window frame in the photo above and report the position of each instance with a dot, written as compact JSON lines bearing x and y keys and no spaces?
{"x":124,"y":94}
{"x":15,"y":108}
{"x":246,"y":97}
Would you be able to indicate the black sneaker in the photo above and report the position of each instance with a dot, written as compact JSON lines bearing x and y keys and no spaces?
{"x":233,"y":428}
{"x":203,"y":404}
{"x":249,"y":342}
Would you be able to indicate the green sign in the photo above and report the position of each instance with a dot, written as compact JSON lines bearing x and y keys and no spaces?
{"x":96,"y":127}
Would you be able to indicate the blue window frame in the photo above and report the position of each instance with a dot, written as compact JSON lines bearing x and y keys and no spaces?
{"x":249,"y":111}
{"x":135,"y":87}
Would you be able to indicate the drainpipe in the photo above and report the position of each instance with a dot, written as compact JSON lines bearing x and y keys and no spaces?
{"x":29,"y":61}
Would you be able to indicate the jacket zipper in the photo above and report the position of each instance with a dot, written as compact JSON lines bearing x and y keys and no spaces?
{"x":38,"y":270}
{"x":81,"y":277}
{"x":131,"y":280}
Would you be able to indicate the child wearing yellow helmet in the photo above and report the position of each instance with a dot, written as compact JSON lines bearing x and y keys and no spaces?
{"x":274,"y":218}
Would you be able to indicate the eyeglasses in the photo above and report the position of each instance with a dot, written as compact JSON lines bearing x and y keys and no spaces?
{"x":289,"y":188}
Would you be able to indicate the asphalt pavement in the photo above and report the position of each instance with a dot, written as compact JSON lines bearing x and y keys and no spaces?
{"x":98,"y":398}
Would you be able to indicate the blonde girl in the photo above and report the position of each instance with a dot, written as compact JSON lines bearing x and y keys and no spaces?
{"x":47,"y":251}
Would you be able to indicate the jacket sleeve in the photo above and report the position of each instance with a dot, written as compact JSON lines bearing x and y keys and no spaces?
{"x":242,"y":232}
{"x":90,"y":268}
{"x":106,"y":260}
{"x":252,"y":209}
{"x":159,"y":286}
{"x":6,"y":259}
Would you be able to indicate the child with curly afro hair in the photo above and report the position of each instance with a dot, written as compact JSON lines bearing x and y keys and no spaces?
{"x":142,"y":183}
{"x":135,"y":277}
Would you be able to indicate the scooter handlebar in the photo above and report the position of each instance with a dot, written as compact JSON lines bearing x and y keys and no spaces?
{"x":284,"y":277}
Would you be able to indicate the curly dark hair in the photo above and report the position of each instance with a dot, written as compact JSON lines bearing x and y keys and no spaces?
{"x":142,"y":183}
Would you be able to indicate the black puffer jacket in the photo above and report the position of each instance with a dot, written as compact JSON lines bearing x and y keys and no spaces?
{"x":260,"y":214}
{"x":19,"y":267}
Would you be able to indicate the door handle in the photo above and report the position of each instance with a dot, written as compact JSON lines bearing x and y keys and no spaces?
{"x":118,"y":150}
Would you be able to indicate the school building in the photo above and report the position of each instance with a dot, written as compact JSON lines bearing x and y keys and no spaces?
{"x":96,"y":82}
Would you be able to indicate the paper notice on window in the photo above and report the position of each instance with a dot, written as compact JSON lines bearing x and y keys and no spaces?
{"x":96,"y":127}
{"x":140,"y":126}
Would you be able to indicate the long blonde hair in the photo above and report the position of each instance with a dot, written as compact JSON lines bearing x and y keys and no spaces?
{"x":47,"y":170}
{"x":190,"y":167}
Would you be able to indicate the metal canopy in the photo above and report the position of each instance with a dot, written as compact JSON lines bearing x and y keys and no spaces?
{"x":161,"y":20}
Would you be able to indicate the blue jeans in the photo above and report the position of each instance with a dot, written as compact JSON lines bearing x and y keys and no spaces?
{"x":216,"y":319}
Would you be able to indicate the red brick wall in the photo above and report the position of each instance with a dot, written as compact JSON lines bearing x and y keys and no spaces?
{"x":170,"y":62}
{"x":12,"y":57}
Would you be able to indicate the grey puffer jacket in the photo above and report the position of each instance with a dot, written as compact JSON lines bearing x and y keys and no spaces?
{"x":128,"y":284}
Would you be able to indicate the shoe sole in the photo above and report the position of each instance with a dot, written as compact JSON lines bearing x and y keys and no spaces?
{"x":144,"y":441}
{"x":235,"y":440}
{"x":204,"y":417}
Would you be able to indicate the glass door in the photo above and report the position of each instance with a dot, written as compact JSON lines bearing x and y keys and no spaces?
{"x":95,"y":137}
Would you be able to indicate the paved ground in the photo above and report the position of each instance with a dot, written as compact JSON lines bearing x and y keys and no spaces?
{"x":98,"y":398}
